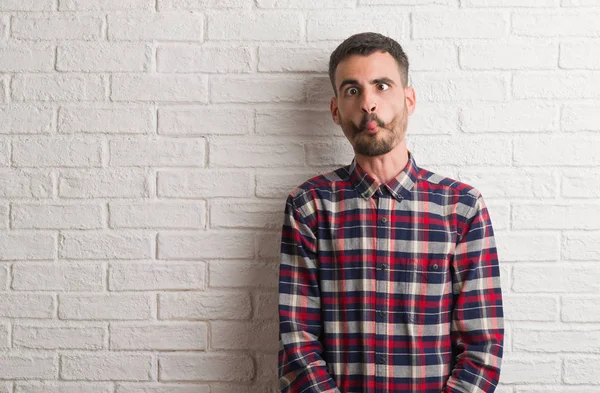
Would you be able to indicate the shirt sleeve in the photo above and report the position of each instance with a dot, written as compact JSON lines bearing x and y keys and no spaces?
{"x":477,"y":330}
{"x":301,"y":367}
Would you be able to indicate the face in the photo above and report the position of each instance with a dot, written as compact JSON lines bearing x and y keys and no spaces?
{"x":372,"y":105}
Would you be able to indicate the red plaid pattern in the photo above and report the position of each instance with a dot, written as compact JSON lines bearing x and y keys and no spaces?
{"x":388,"y":288}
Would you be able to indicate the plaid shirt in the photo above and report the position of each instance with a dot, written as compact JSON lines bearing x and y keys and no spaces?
{"x":388,"y":288}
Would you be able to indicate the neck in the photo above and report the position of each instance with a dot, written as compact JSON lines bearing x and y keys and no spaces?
{"x":387,"y":166}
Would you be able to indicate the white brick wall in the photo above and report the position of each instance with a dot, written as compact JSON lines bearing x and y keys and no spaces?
{"x":147,"y":146}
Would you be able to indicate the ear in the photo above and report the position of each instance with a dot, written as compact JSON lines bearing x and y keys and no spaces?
{"x":335,"y":113}
{"x":411,"y":99}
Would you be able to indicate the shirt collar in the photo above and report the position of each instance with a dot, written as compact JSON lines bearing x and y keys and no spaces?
{"x":399,"y":187}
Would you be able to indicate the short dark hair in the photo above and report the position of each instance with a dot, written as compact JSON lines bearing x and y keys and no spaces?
{"x":365,"y":44}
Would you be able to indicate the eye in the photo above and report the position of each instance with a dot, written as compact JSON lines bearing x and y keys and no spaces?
{"x":383,"y":86}
{"x":352,"y":91}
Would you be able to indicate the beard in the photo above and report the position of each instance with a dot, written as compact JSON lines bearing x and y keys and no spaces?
{"x":380,"y":143}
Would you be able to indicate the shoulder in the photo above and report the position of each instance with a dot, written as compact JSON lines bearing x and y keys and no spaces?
{"x":319,"y":186}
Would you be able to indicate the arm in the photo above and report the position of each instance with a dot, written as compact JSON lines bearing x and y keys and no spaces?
{"x":477,"y":330}
{"x":301,"y":367}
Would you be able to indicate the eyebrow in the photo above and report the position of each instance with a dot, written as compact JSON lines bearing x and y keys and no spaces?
{"x":384,"y":79}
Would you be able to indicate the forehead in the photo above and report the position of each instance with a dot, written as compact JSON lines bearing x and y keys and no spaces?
{"x":375,"y":65}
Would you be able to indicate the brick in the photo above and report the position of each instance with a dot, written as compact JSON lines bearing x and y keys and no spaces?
{"x":109,"y":306}
{"x":580,"y":309}
{"x":582,"y":370}
{"x":18,"y":183}
{"x":27,"y":245}
{"x":254,"y":152}
{"x":3,"y":277}
{"x":499,"y":213}
{"x":306,"y":4}
{"x":531,"y":369}
{"x":259,"y":89}
{"x":238,"y":388}
{"x":157,"y":152}
{"x":530,"y":183}
{"x":335,"y":152}
{"x":5,"y":152}
{"x":530,"y":308}
{"x":159,"y":337}
{"x":556,"y":389}
{"x":295,"y":122}
{"x":535,"y":150}
{"x":30,"y":276}
{"x":205,"y":367}
{"x":233,"y":335}
{"x":194,"y":58}
{"x":3,"y":84}
{"x":581,"y":246}
{"x":259,"y":26}
{"x":44,"y":216}
{"x":67,"y":27}
{"x":29,"y":58}
{"x":204,"y":183}
{"x":556,"y":24}
{"x":579,"y":56}
{"x":266,"y":305}
{"x":26,"y":306}
{"x":113,"y":57}
{"x":161,"y":388}
{"x":184,"y":88}
{"x":579,"y":278}
{"x":319,"y":91}
{"x":459,"y":24}
{"x":105,"y":183}
{"x":551,"y":85}
{"x":53,"y":87}
{"x":232,"y":213}
{"x":338,"y":25}
{"x":185,"y":215}
{"x":482,"y":150}
{"x":28,"y":367}
{"x":555,"y":216}
{"x":433,"y":119}
{"x":201,"y":4}
{"x":114,"y":367}
{"x":234,"y":274}
{"x":431,"y":55}
{"x":57,"y":151}
{"x":27,"y":5}
{"x":223,"y":121}
{"x":4,"y":341}
{"x":581,"y":184}
{"x":62,"y":387}
{"x":580,"y":117}
{"x":278,"y":183}
{"x":532,"y":55}
{"x":163,"y":26}
{"x":579,"y":3}
{"x":527,"y":246}
{"x":105,"y":5}
{"x":267,"y":368}
{"x":196,"y":245}
{"x":119,"y":119}
{"x":537,"y":340}
{"x":269,"y":245}
{"x":277,"y":59}
{"x":25,"y":119}
{"x":454,"y":87}
{"x":105,"y":245}
{"x":204,"y":305}
{"x":58,"y":336}
{"x":509,"y":3}
{"x":157,"y":276}
{"x":510,"y":117}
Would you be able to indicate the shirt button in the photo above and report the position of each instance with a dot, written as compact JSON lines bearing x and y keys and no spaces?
{"x":434,"y":266}
{"x":384,"y":219}
{"x":382,"y":314}
{"x":381,"y":360}
{"x":383,"y":266}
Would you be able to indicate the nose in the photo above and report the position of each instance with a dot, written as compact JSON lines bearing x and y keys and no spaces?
{"x":368,"y":104}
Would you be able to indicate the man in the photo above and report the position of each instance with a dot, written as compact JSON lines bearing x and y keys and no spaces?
{"x":389,"y":279}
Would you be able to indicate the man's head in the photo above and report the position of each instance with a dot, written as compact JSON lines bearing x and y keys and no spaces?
{"x":372,"y":102}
